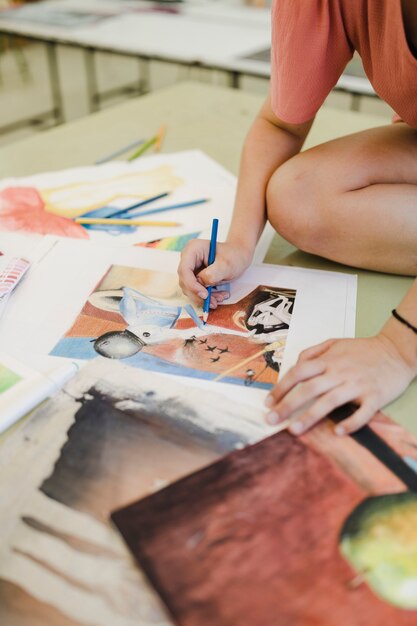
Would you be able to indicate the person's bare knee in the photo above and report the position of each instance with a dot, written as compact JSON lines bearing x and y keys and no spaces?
{"x":296,"y":207}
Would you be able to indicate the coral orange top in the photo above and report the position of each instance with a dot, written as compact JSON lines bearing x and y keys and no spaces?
{"x":312,"y":41}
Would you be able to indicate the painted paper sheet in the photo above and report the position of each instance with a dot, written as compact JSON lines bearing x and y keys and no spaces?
{"x":120,"y":435}
{"x":272,"y":314}
{"x":140,"y":316}
{"x":48,"y":203}
{"x":261,"y":537}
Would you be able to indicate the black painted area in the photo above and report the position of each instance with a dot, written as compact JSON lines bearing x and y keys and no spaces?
{"x":368,"y":438}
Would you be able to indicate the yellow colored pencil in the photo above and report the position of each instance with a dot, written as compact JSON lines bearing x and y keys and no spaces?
{"x":156,"y":139}
{"x":160,"y":136}
{"x":120,"y":222}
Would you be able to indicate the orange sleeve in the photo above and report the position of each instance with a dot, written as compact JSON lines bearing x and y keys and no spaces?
{"x":310,"y":50}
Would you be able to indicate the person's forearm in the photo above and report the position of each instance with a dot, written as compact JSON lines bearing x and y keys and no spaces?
{"x":266,"y":147}
{"x":404,"y":339}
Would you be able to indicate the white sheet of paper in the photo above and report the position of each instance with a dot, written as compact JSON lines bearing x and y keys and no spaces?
{"x":187,"y":176}
{"x":57,"y":287}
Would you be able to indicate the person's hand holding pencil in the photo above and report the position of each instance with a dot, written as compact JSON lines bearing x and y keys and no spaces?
{"x":195,"y":274}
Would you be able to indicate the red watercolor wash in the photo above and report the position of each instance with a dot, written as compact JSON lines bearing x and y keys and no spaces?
{"x":22,"y":209}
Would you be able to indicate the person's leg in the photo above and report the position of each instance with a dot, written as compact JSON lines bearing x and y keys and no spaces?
{"x":352,"y":200}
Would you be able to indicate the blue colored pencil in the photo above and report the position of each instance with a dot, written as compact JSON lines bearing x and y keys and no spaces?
{"x":110,"y":211}
{"x":181,"y":205}
{"x":211,"y":259}
{"x":121,"y":212}
{"x":116,"y":153}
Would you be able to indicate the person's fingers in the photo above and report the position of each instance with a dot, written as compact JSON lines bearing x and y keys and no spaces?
{"x":191,"y":287}
{"x":315,"y":351}
{"x":357,"y":420}
{"x":321,"y":407}
{"x":220,"y":295}
{"x":192,"y":258}
{"x":301,"y":395}
{"x":294,"y":376}
{"x":215,"y":273}
{"x":213,"y":302}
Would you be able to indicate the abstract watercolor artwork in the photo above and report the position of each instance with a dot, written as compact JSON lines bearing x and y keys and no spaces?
{"x":121,"y":435}
{"x":49,"y":203}
{"x":176,"y":244}
{"x":140,"y":316}
{"x":260,"y":537}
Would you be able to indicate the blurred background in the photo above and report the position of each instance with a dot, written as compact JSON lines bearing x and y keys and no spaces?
{"x":63,"y":59}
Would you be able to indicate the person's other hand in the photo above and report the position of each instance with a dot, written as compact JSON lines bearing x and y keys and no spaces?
{"x":370,"y":372}
{"x":195,"y":276}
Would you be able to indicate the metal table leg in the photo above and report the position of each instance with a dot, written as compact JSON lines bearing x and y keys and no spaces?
{"x":144,"y":75}
{"x":56,"y":93}
{"x":234,"y":79}
{"x":355,"y":102}
{"x":92,"y":83}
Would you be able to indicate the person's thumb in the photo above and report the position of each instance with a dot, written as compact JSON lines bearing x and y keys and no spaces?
{"x":213,"y":274}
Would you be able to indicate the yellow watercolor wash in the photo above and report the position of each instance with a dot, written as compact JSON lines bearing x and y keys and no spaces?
{"x":75,"y":199}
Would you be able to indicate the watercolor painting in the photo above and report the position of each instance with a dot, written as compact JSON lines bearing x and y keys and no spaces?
{"x":277,"y":508}
{"x":52,"y":211}
{"x":175,"y":244}
{"x":121,"y":446}
{"x":255,"y":538}
{"x":8,"y":378}
{"x":49,"y":203}
{"x":379,"y":539}
{"x":120,"y":436}
{"x":142,"y":317}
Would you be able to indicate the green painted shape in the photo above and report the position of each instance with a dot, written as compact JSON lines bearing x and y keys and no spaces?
{"x":8,"y":378}
{"x":379,"y":540}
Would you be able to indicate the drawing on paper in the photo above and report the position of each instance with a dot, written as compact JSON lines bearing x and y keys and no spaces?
{"x":8,"y":378}
{"x":141,"y":316}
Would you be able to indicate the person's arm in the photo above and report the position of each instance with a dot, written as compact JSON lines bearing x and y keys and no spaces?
{"x":370,"y":372}
{"x":269,"y":143}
